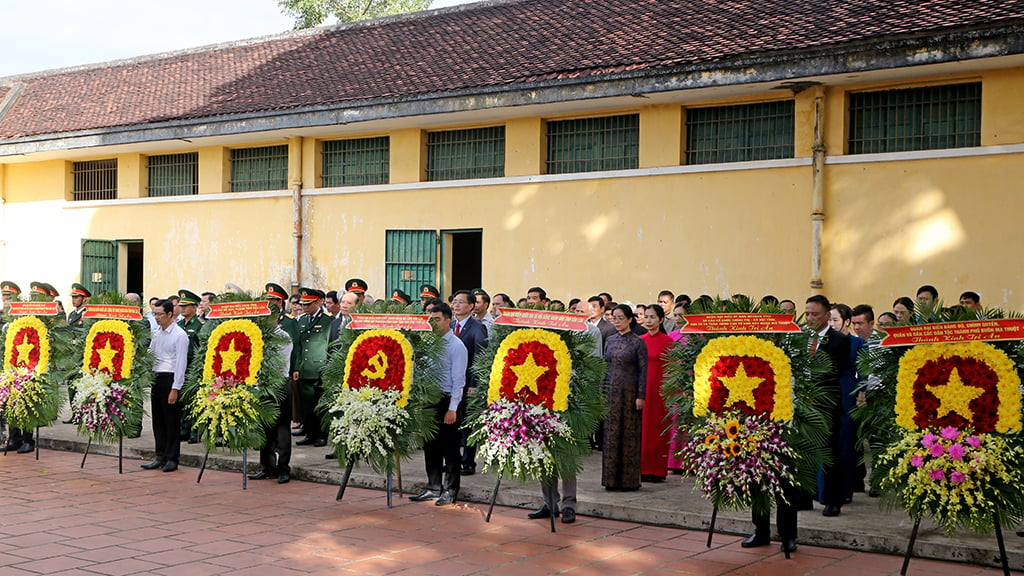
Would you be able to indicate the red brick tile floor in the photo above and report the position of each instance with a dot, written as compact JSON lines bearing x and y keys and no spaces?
{"x":56,"y":518}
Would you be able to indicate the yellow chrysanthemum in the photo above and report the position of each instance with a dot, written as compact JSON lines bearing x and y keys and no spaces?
{"x":563,"y":364}
{"x":22,"y":326}
{"x":122,"y":329}
{"x":752,"y":346}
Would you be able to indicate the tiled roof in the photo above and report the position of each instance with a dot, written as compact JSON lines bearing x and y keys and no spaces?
{"x":483,"y":47}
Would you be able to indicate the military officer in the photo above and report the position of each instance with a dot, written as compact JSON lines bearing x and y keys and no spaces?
{"x":308,"y":360}
{"x":188,"y":303}
{"x":79,"y":296}
{"x":9,"y":291}
{"x":358,"y":287}
{"x":428,"y":293}
{"x":278,"y":296}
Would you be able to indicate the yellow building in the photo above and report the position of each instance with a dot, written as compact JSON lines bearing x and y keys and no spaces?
{"x":581,"y":145}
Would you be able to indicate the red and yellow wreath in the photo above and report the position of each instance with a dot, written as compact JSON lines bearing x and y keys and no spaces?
{"x":532,"y":366}
{"x":109,"y":348}
{"x":964,"y":385}
{"x":234,"y":351}
{"x":380,"y":359}
{"x":744,"y":373}
{"x":27,"y":344}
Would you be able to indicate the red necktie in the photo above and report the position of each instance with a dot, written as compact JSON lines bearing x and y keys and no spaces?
{"x":457,"y":330}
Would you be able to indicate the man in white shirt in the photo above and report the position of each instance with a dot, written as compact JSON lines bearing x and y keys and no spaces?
{"x":169,"y":347}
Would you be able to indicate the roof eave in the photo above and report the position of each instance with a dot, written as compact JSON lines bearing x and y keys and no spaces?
{"x":883,"y":54}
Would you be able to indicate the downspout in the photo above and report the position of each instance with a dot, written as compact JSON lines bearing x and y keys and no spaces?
{"x":817,"y":204}
{"x":295,"y":170}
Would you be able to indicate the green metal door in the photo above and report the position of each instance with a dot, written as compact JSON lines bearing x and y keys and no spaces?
{"x":99,"y":265}
{"x":410,"y":260}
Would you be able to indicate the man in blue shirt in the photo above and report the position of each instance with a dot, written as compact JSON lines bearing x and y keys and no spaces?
{"x":441,"y":454}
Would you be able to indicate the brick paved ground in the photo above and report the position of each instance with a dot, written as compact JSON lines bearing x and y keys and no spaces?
{"x":58,"y":519}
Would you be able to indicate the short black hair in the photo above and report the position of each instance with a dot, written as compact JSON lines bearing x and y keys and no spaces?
{"x":153,"y":300}
{"x":666,"y":293}
{"x":907,"y":302}
{"x":781,"y":302}
{"x":606,"y":296}
{"x":166,"y":304}
{"x":573,"y":302}
{"x":820,"y":299}
{"x":769,"y":300}
{"x":597,"y":299}
{"x":929,"y":289}
{"x":509,"y":303}
{"x":543,"y":293}
{"x":438,"y":305}
{"x":482,"y":292}
{"x":470,"y":299}
{"x":864,"y":310}
{"x":683,"y":298}
{"x":209,"y":295}
{"x":332,"y":295}
{"x":971,"y":296}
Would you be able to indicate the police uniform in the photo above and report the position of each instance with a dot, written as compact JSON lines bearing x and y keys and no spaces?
{"x":308,"y":360}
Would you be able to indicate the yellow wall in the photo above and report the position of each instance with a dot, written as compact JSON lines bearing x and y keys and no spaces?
{"x":890,"y":226}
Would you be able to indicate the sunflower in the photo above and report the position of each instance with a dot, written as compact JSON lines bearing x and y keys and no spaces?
{"x":732,"y":429}
{"x":710,"y":440}
{"x":736,"y":449}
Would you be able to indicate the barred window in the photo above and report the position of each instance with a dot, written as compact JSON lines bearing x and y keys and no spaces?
{"x":740,"y":133}
{"x":460,"y":154}
{"x":356,"y":162}
{"x":94,"y":180}
{"x":174,"y":174}
{"x":915,"y":119}
{"x":264,"y":168}
{"x":593,"y":144}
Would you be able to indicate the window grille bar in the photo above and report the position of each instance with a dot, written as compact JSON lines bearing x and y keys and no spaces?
{"x":593,"y":144}
{"x":255,"y":169}
{"x":461,"y":154}
{"x":926,"y":118}
{"x":740,"y":133}
{"x":94,"y":180}
{"x":173,"y":174}
{"x":356,"y":162}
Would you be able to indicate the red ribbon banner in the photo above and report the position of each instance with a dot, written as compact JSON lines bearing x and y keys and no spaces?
{"x":739,"y":323}
{"x":972,"y":330}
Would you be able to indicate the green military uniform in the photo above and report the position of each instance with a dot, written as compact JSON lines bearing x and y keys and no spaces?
{"x":191,"y":326}
{"x":309,"y":357}
{"x":75,"y":318}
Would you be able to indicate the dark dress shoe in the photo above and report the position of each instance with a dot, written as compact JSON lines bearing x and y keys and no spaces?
{"x":788,"y":545}
{"x":1020,"y":533}
{"x":542,"y":512}
{"x":170,"y":466}
{"x":261,"y":475}
{"x":12,"y":446}
{"x":447,"y":498}
{"x":330,"y":456}
{"x":755,"y":540}
{"x":153,"y":465}
{"x":467,"y":471}
{"x":26,"y":448}
{"x":424,"y":496}
{"x":307,"y":441}
{"x":831,"y":510}
{"x":298,"y":432}
{"x":68,"y":421}
{"x":284,"y":479}
{"x":568,"y":515}
{"x":319,"y":443}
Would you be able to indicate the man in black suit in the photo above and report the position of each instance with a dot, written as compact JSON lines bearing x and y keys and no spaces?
{"x":821,"y":338}
{"x":825,"y":339}
{"x":473,"y":334}
{"x":596,"y":304}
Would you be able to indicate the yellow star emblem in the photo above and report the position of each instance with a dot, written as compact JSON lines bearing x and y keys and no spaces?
{"x":527,"y":374}
{"x":106,"y":357}
{"x":229,"y":358}
{"x":24,"y":350}
{"x":741,"y":386}
{"x":955,"y":396}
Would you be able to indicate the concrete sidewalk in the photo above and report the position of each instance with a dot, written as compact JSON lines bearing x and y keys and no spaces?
{"x":862,"y":525}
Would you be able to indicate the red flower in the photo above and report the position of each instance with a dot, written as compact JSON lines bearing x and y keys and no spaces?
{"x":972,"y":373}
{"x":378,"y":362}
{"x":546,"y":382}
{"x":100,"y":342}
{"x":240,"y":343}
{"x":755,"y":367}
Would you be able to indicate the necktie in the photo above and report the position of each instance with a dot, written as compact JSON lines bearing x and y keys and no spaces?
{"x":814,"y":342}
{"x":457,"y":328}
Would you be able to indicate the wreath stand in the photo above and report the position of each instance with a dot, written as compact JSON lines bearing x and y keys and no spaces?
{"x":390,"y":483}
{"x":494,"y":497}
{"x":120,"y":454}
{"x":999,"y":539}
{"x":245,"y":468}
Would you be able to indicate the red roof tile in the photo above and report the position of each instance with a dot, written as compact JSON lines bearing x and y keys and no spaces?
{"x":490,"y":46}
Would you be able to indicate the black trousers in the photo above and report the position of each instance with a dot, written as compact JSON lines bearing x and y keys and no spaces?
{"x":19,"y":436}
{"x":441,"y":454}
{"x":310,"y":391}
{"x":276,"y":453}
{"x":785,"y":516}
{"x":166,"y":418}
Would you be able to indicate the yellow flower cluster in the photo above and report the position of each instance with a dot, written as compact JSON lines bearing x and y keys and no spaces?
{"x":26,"y":404}
{"x":119,"y":327}
{"x":406,"y":348}
{"x":563,"y":363}
{"x":752,"y":346}
{"x":1008,"y":412}
{"x":243,"y":326}
{"x":23,"y":324}
{"x":226,"y":409}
